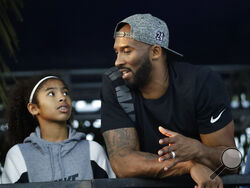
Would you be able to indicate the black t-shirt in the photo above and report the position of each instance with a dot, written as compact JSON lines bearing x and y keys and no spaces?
{"x":196,"y":102}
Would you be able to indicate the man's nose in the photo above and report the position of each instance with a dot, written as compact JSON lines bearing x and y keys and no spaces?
{"x":119,"y":60}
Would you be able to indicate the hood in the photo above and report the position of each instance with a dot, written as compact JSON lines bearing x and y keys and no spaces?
{"x":66,"y":145}
{"x":55,"y":150}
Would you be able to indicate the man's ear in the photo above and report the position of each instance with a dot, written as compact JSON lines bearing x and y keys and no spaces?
{"x":156,"y":52}
{"x":33,"y":109}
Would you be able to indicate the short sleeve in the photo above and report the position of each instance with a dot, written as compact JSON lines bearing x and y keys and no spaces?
{"x":212,"y":101}
{"x":113,"y":115}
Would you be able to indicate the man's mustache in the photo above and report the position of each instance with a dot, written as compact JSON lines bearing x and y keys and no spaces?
{"x":122,"y":68}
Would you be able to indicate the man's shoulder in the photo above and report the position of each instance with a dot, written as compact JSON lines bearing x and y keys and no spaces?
{"x":188,"y":68}
{"x":192,"y":73}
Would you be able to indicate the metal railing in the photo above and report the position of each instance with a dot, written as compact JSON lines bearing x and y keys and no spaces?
{"x":170,"y":182}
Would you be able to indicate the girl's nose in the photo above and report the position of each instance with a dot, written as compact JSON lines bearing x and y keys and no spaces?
{"x":62,"y":98}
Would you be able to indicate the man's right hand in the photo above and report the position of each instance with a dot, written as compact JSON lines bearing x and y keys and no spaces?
{"x":201,"y":175}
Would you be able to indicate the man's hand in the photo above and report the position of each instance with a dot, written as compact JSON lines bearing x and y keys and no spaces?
{"x":185,"y":148}
{"x":207,"y":152}
{"x":201,"y":175}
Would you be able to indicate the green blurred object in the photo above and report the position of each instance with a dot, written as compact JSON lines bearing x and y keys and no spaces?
{"x":9,"y":14}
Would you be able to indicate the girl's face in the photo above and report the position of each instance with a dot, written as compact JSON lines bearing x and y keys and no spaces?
{"x":54,"y":102}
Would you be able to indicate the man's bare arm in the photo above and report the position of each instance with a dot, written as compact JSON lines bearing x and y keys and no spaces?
{"x":128,"y":161}
{"x":215,"y":144}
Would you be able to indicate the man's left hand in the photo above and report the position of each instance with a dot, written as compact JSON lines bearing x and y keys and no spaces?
{"x":184,"y":148}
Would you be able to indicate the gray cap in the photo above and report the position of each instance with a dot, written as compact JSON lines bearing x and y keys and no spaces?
{"x":146,"y":28}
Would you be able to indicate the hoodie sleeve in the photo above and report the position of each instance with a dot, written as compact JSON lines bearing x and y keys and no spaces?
{"x":15,"y":170}
{"x":99,"y":162}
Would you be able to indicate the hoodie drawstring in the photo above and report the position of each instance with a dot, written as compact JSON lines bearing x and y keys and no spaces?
{"x":52,"y":163}
{"x":61,"y":163}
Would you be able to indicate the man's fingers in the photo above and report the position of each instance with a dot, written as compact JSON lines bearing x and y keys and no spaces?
{"x":210,"y":183}
{"x":175,"y":161}
{"x":167,"y":149}
{"x":166,"y":132}
{"x":221,"y":185}
{"x":166,"y":140}
{"x":165,"y":157}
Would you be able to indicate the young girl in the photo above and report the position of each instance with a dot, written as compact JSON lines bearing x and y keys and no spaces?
{"x":53,"y":151}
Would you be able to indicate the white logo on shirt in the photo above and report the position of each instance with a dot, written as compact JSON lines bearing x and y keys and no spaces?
{"x":213,"y":120}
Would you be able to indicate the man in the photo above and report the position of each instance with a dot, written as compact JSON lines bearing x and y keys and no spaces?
{"x":152,"y":106}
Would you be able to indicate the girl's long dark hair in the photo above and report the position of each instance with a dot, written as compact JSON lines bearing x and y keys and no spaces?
{"x":20,"y":122}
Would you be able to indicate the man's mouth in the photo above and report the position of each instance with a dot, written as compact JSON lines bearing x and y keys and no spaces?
{"x":126,"y":73}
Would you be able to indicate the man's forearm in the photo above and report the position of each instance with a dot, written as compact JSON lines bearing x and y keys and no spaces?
{"x":211,"y":156}
{"x":141,"y":164}
{"x":213,"y":145}
{"x":128,"y":161}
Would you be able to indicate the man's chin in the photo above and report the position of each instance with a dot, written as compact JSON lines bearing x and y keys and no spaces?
{"x":129,"y":83}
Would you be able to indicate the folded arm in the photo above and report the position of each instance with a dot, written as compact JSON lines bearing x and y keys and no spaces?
{"x":128,"y":161}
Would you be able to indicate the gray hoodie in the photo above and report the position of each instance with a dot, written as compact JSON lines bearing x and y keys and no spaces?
{"x":38,"y":160}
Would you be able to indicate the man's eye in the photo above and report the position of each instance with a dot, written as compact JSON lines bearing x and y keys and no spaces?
{"x":127,"y":51}
{"x":116,"y":52}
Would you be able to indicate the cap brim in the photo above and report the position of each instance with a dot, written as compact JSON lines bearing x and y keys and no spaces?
{"x":172,"y":52}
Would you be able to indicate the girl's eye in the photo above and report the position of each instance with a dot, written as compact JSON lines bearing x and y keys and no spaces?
{"x":51,"y":94}
{"x":65,"y":93}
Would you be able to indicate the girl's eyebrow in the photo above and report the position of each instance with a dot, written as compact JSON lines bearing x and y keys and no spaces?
{"x":50,"y":88}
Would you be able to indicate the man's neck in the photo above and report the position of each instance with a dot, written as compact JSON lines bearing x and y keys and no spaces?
{"x":158,"y":84}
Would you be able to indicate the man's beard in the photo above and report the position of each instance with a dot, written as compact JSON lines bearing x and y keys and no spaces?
{"x":142,"y":75}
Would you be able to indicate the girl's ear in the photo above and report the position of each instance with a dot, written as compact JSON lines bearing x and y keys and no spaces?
{"x":33,"y":109}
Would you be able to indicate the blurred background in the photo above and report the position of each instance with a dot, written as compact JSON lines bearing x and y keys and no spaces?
{"x":75,"y":39}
